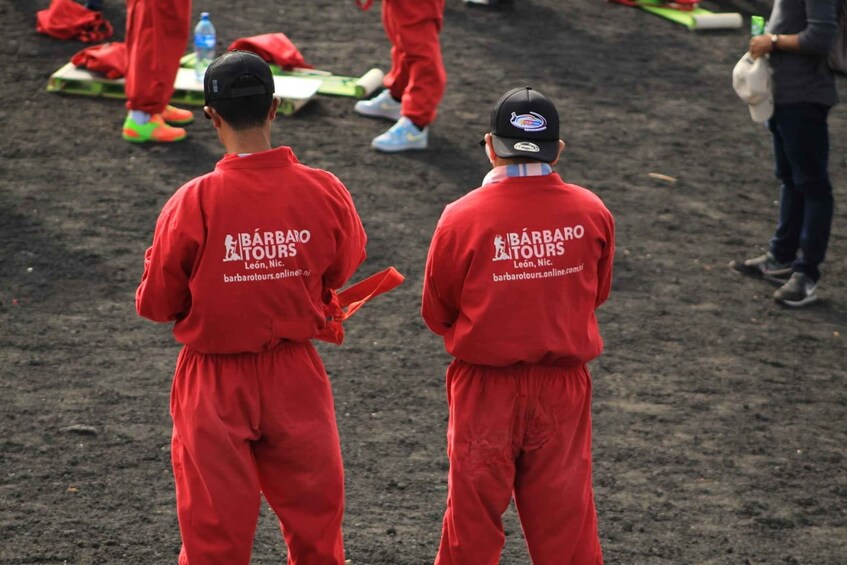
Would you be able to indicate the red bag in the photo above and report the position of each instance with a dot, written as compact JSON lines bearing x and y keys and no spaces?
{"x":273,"y":48}
{"x":106,"y":58}
{"x":65,"y":19}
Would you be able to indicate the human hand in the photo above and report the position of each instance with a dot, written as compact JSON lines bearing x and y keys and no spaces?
{"x":760,"y":45}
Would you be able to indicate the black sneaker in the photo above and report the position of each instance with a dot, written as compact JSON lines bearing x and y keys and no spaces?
{"x":798,"y":291}
{"x":763,"y":267}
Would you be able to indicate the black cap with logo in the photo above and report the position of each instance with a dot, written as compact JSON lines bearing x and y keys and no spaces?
{"x":225,"y":71}
{"x":525,"y":124}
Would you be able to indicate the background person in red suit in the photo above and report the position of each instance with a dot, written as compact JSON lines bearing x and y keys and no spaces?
{"x":246,"y":261}
{"x":515,"y":271}
{"x":157,"y":33}
{"x":415,"y":84}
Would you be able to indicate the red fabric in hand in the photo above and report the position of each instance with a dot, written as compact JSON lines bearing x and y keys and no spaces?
{"x":107,"y":58}
{"x":65,"y":19}
{"x":344,"y":303}
{"x":273,"y":48}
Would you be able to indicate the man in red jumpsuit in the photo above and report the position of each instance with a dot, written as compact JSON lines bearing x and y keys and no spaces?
{"x":415,"y":84}
{"x":156,"y":36}
{"x":515,"y":272}
{"x":246,"y":260}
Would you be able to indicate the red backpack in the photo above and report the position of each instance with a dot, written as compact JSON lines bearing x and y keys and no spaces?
{"x":65,"y":19}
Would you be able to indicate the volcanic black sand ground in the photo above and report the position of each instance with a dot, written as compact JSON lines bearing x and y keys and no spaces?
{"x":719,"y":417}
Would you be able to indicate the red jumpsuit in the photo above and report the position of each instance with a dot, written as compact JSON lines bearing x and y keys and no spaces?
{"x":514,"y":273}
{"x":245,"y":261}
{"x":157,"y":34}
{"x":417,"y":75}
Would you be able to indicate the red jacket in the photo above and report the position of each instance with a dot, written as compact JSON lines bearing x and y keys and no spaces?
{"x":516,"y":270}
{"x":249,"y":254}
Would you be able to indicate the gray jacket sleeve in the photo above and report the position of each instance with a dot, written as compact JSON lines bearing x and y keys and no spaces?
{"x":822,"y":29}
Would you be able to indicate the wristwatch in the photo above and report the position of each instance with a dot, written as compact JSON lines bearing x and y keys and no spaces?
{"x":774,"y":41}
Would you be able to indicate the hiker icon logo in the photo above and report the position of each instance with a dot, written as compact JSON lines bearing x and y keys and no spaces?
{"x":231,"y":245}
{"x":500,"y":253}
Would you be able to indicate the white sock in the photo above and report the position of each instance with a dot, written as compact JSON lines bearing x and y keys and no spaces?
{"x":139,"y":117}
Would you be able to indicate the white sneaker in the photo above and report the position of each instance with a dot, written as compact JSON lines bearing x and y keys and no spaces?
{"x":402,"y":136}
{"x":798,"y":291}
{"x":380,"y":106}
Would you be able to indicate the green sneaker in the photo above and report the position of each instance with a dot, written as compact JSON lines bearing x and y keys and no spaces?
{"x":155,"y":130}
{"x":177,"y":116}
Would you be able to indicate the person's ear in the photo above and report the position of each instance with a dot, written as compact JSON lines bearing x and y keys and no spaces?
{"x":559,"y":154}
{"x":274,"y":107}
{"x":213,"y":115}
{"x":489,"y":149}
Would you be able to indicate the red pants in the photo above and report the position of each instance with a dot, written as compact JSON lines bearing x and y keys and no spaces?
{"x":417,"y":75}
{"x":156,"y":37}
{"x":522,"y":432}
{"x":252,"y":424}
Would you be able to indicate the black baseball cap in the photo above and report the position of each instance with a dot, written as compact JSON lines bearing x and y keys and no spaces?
{"x":231,"y":66}
{"x":525,"y":124}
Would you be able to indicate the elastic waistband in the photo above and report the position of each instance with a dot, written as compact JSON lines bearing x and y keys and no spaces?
{"x":524,"y":368}
{"x":282,"y":346}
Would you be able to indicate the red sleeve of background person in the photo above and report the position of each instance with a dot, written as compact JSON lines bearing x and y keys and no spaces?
{"x":163,"y":295}
{"x":250,"y":254}
{"x":443,"y":280}
{"x":503,"y":286}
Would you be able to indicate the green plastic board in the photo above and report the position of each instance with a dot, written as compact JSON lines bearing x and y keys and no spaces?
{"x":293,"y":92}
{"x":695,"y":19}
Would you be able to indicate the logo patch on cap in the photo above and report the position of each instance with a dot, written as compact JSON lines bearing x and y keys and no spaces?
{"x":215,"y":85}
{"x":529,"y":122}
{"x":527,"y":146}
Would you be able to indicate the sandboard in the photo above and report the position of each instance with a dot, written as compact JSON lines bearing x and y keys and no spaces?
{"x":697,"y":18}
{"x":688,"y":14}
{"x":293,"y":92}
{"x":331,"y":84}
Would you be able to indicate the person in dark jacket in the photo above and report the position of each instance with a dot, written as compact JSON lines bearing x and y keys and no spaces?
{"x":799,"y":35}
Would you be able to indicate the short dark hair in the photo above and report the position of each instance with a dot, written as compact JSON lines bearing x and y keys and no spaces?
{"x":247,"y":111}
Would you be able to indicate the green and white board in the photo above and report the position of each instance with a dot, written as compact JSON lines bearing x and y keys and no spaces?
{"x":695,"y":19}
{"x":293,"y":91}
{"x":331,"y":84}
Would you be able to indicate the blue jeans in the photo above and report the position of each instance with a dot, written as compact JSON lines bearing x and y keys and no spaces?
{"x":801,"y":153}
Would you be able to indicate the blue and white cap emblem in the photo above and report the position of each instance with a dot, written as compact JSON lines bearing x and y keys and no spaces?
{"x":529,"y":122}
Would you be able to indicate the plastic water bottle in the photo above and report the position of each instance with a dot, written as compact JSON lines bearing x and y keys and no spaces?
{"x":757,"y":25}
{"x":204,"y":45}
